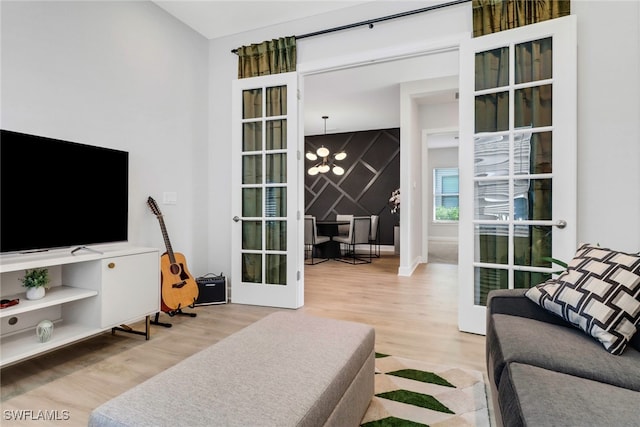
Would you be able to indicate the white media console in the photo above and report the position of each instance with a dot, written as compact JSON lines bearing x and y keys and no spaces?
{"x":90,"y":292}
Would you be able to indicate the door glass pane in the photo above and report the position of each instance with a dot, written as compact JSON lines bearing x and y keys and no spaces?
{"x":251,"y":103}
{"x":492,"y":244}
{"x":252,"y":169}
{"x":252,"y":202}
{"x":531,"y":244}
{"x":492,"y":68}
{"x":528,"y":279}
{"x":488,"y":279}
{"x":276,"y":235}
{"x":534,"y":60}
{"x":492,"y":200}
{"x":492,"y":112}
{"x":252,"y":235}
{"x":276,"y":270}
{"x":276,"y":135}
{"x":276,"y":202}
{"x":533,"y":106}
{"x":532,"y":199}
{"x":252,"y":136}
{"x":521,"y":153}
{"x":276,"y":168}
{"x":491,"y":155}
{"x":532,"y":153}
{"x":252,"y":268}
{"x":541,"y":153}
{"x":276,"y":101}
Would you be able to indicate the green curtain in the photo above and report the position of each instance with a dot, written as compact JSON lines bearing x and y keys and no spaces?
{"x":491,"y":16}
{"x":269,"y":57}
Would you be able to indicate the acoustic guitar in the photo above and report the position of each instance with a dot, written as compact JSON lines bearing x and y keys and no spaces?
{"x":179,"y":288}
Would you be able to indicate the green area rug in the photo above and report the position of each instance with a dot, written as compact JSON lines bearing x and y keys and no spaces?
{"x":415,"y":393}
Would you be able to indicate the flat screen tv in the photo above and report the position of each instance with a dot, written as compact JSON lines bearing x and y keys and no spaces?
{"x":56,"y":194}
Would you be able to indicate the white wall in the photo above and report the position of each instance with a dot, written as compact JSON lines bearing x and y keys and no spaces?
{"x":609,"y":123}
{"x":124,"y":75}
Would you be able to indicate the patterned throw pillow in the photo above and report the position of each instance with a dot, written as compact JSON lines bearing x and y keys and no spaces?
{"x":599,"y":293}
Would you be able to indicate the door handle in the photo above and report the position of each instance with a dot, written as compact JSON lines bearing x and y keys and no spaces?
{"x":561,"y":223}
{"x":236,"y":218}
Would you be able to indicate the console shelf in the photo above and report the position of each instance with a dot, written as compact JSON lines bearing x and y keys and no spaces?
{"x":91,"y":292}
{"x":24,"y":344}
{"x":54,"y":296}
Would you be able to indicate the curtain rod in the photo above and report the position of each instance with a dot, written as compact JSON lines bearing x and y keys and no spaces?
{"x":370,"y":22}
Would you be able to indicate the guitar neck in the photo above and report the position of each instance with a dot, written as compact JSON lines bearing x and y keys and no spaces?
{"x":167,"y":243}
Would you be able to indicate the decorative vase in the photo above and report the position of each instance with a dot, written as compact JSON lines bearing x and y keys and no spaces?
{"x":44,"y":330}
{"x":35,"y":293}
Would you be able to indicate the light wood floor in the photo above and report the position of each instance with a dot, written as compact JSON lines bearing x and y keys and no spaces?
{"x":414,"y":317}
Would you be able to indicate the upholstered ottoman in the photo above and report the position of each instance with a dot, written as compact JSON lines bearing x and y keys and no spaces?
{"x":287,"y":369}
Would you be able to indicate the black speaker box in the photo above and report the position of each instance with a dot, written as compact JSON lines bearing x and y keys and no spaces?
{"x":211,"y":290}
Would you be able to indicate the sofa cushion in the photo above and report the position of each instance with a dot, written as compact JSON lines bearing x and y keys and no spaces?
{"x":599,"y":293}
{"x":558,"y":348}
{"x":529,"y":395}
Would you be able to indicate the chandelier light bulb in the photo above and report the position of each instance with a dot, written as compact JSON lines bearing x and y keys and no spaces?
{"x":326,"y":163}
{"x":322,"y":151}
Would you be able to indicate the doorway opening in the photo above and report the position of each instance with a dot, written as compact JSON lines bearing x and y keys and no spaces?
{"x":441,"y":196}
{"x":379,"y":90}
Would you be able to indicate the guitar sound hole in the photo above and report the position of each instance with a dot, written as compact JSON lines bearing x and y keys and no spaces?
{"x":174,"y":268}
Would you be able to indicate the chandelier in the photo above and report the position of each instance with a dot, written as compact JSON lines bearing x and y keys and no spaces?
{"x":326,"y":162}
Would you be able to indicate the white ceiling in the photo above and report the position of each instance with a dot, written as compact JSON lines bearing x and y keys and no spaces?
{"x":360,"y":98}
{"x":216,"y":18}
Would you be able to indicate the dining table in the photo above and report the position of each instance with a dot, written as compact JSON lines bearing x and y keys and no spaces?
{"x":330,"y":249}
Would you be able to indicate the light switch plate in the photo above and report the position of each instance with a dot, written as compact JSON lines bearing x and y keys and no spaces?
{"x":169,"y":198}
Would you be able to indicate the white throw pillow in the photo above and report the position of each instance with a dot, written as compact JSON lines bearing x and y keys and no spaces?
{"x":599,"y":293}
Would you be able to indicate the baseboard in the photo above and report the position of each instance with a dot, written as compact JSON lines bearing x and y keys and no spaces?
{"x":448,"y":240}
{"x":408,"y":271}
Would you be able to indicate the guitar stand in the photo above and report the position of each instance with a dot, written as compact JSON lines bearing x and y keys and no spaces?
{"x":177,"y":312}
{"x":128,"y":329}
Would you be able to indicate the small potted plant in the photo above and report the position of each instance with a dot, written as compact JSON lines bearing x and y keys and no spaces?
{"x":35,"y":281}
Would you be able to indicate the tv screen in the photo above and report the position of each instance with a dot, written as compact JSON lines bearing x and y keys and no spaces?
{"x":57,"y":193}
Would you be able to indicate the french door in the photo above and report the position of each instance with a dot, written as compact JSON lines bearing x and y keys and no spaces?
{"x":517,"y":160}
{"x":265,"y":256}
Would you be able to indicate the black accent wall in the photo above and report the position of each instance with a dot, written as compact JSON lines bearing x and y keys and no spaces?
{"x":372,"y":172}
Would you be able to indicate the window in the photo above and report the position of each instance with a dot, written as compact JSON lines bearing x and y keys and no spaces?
{"x":445,"y":194}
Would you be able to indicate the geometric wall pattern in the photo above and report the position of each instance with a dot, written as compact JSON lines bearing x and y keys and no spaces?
{"x":372,"y":172}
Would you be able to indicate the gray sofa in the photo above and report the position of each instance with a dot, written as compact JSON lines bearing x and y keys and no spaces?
{"x":545,"y":372}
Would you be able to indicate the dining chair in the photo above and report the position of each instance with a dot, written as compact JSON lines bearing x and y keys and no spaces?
{"x":311,"y":240}
{"x":374,"y":237}
{"x":359,"y":232}
{"x":343,"y":230}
